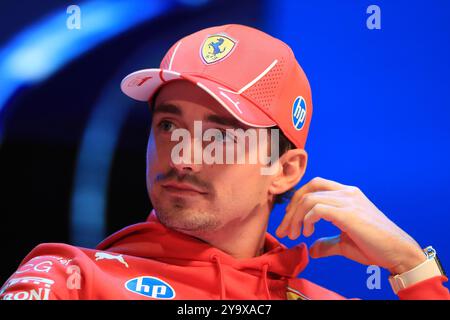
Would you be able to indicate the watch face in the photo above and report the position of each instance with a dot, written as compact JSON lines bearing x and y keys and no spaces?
{"x":431,"y":254}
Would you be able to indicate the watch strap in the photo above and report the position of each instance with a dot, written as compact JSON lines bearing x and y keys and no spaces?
{"x":427,"y":269}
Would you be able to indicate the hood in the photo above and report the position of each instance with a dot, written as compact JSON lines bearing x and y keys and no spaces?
{"x":152,"y":240}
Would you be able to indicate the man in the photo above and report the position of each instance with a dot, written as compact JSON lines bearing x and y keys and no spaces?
{"x":207,"y":235}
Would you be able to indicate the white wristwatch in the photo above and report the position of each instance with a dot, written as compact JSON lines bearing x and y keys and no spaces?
{"x":427,"y":269}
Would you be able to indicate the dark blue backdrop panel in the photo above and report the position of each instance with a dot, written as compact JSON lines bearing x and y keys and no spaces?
{"x":380,"y":120}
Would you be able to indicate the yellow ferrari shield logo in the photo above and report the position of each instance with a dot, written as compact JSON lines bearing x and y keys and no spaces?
{"x":216,"y":48}
{"x":290,"y":295}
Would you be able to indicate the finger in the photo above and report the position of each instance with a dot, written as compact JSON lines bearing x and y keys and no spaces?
{"x":325,"y":247}
{"x":315,"y":184}
{"x":338,"y":245}
{"x":331,"y":198}
{"x":302,"y":207}
{"x":292,"y":221}
{"x":321,"y":211}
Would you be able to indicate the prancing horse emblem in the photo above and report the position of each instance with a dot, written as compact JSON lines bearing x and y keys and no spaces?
{"x":216,"y":48}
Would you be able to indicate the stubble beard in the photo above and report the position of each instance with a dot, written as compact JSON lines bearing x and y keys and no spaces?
{"x":179,"y":216}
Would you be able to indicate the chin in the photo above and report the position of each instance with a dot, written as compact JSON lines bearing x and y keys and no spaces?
{"x":188,"y":220}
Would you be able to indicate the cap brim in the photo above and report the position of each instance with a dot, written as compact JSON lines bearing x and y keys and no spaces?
{"x":142,"y":85}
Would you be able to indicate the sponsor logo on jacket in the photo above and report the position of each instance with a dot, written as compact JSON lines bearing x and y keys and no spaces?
{"x":41,"y":292}
{"x":108,"y":256}
{"x":150,"y":287}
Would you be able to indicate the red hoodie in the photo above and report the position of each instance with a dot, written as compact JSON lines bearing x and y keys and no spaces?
{"x":150,"y":261}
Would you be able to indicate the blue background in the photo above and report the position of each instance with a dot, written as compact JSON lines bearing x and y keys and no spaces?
{"x":381,"y":116}
{"x":73,"y":146}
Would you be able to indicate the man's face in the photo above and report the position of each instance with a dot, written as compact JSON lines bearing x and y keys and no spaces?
{"x":196,"y":198}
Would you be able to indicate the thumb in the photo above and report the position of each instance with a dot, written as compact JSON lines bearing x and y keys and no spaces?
{"x":325,"y":247}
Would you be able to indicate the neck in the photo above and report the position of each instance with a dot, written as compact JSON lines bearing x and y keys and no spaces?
{"x":241,"y":238}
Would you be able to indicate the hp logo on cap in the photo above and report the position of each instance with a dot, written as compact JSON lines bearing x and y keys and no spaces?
{"x":299,"y":113}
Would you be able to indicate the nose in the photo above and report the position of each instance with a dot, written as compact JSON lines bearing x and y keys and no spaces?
{"x":187,"y":157}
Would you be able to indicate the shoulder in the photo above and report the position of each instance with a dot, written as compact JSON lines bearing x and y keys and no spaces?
{"x":49,"y":271}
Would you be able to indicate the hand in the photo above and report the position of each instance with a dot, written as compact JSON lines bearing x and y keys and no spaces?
{"x":367,"y":235}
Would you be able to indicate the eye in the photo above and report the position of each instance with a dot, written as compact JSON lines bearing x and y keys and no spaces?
{"x":166,"y":126}
{"x":225,"y":136}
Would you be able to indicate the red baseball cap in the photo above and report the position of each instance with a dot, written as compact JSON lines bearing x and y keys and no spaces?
{"x":250,"y":73}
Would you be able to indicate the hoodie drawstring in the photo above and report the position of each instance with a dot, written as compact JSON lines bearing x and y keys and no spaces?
{"x":265,"y":268}
{"x":216,"y":259}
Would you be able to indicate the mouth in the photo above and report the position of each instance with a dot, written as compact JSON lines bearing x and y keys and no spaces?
{"x":182,"y":189}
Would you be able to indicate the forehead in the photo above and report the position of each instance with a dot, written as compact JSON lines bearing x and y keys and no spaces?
{"x":185,"y":99}
{"x":185,"y":94}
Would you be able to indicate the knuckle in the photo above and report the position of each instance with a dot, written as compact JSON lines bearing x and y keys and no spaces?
{"x":320,"y":207}
{"x":313,"y":211}
{"x":317,"y":180}
{"x":306,"y":198}
{"x":353,"y":190}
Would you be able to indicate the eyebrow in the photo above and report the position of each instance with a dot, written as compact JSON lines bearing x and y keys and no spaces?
{"x":175,"y":110}
{"x":225,"y":121}
{"x":167,"y":108}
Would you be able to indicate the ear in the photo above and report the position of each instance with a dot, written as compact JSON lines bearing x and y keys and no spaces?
{"x":292,"y":167}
